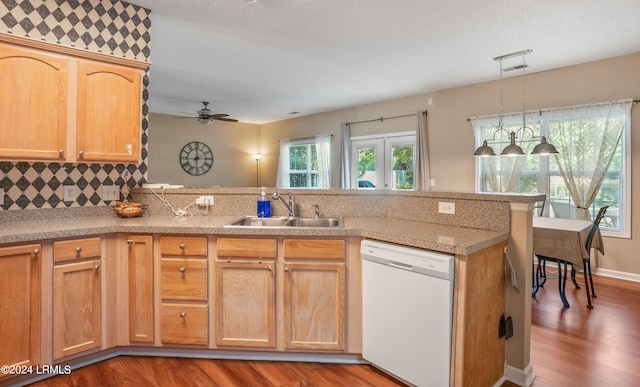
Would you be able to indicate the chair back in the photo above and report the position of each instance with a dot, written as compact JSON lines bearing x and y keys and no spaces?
{"x":596,"y":223}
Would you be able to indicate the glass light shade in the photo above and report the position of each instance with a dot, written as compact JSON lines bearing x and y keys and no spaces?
{"x":544,"y":148}
{"x":484,"y":150}
{"x":205,"y":121}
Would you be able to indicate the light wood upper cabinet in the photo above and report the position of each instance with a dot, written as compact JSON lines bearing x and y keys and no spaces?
{"x":20,"y":284}
{"x":109,"y":112}
{"x":64,"y":107}
{"x":33,"y":104}
{"x":77,"y":300}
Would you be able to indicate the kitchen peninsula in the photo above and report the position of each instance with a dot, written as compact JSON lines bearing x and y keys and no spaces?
{"x":142,"y":306}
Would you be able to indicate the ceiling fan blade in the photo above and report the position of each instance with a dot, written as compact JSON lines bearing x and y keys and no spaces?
{"x":225,"y":119}
{"x":218,"y":115}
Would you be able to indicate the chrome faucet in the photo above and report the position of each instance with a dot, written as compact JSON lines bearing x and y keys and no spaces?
{"x":292,"y":202}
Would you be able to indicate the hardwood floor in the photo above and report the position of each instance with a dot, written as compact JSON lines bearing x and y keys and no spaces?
{"x":162,"y":371}
{"x":569,"y":347}
{"x":577,"y":346}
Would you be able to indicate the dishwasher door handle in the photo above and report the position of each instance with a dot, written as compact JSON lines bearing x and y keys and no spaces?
{"x":400,"y":265}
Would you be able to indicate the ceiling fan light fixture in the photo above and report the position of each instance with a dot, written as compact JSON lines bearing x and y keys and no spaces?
{"x":205,"y":121}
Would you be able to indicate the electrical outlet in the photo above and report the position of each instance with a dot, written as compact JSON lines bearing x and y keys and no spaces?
{"x":206,"y":200}
{"x":110,"y":192}
{"x":70,"y":193}
{"x":447,"y":208}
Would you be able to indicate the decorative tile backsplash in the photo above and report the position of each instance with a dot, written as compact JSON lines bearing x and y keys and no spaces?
{"x":110,"y":27}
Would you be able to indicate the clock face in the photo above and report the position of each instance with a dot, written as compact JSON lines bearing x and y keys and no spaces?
{"x":196,"y":158}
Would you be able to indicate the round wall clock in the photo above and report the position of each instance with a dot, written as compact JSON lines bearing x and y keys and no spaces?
{"x":196,"y":158}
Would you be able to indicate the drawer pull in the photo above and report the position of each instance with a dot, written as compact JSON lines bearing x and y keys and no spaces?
{"x":78,"y":249}
{"x":36,"y":251}
{"x":181,"y":246}
{"x":286,"y":269}
{"x":182,"y":270}
{"x":96,"y":267}
{"x":183,"y":314}
{"x":61,"y":152}
{"x":81,"y":153}
{"x":129,"y":241}
{"x":270,"y":268}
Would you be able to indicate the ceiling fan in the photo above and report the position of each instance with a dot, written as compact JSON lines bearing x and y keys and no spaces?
{"x":206,"y":116}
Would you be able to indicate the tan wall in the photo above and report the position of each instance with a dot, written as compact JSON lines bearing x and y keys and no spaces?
{"x":233,"y":145}
{"x":450,"y":135}
{"x":452,"y":163}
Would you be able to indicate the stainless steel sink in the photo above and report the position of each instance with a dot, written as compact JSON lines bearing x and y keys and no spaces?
{"x":283,"y":221}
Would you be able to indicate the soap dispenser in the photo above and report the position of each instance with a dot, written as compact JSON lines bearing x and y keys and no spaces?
{"x":264,"y":205}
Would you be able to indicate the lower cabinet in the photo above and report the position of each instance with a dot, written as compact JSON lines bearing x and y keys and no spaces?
{"x":141,"y":300}
{"x":20,"y":315}
{"x":184,"y":288}
{"x":314,"y":294}
{"x":245,"y":292}
{"x":77,"y":296}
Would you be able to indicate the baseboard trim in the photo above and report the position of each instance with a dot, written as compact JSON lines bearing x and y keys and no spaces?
{"x":618,"y":274}
{"x":520,"y":377}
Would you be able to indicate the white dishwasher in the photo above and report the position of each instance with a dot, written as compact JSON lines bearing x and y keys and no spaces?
{"x":407,"y":302}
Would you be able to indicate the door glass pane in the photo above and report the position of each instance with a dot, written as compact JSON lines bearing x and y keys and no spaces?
{"x":367,"y":177}
{"x":402,"y":167}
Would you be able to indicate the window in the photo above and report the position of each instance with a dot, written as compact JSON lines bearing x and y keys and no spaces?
{"x":383,"y":162}
{"x":591,"y":139}
{"x":305,"y":163}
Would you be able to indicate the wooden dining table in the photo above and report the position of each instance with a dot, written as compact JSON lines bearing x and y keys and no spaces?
{"x":563,"y":239}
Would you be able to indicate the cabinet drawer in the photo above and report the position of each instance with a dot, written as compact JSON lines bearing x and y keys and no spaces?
{"x":77,"y":249}
{"x":183,"y":279}
{"x":185,"y":324}
{"x":246,"y":248}
{"x":184,"y":246}
{"x":314,"y":248}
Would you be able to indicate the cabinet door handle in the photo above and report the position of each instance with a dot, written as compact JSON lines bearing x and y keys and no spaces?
{"x":96,"y":267}
{"x":183,"y":314}
{"x":181,"y":246}
{"x":36,"y":251}
{"x":81,"y":153}
{"x":270,"y":268}
{"x":61,"y":152}
{"x":129,"y":241}
{"x":182,"y":270}
{"x":286,"y":269}
{"x":78,"y":249}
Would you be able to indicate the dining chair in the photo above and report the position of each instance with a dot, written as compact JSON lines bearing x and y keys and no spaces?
{"x":541,"y":272}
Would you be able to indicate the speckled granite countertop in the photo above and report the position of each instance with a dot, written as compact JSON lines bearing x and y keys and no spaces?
{"x":448,"y":239}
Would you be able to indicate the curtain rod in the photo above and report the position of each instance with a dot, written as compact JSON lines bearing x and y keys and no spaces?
{"x":546,"y":110}
{"x":381,"y":119}
{"x":304,"y":138}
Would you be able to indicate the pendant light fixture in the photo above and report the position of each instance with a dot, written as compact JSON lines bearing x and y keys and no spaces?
{"x":514,"y":149}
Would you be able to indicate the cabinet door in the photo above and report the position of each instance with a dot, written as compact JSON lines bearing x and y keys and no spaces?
{"x":314,"y":304}
{"x":33,"y":104}
{"x":20,"y":305}
{"x":109,"y":112}
{"x":245,"y":304}
{"x":77,"y":308}
{"x":140,"y":288}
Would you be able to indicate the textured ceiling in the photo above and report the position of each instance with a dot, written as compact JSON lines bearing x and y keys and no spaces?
{"x":260,"y":61}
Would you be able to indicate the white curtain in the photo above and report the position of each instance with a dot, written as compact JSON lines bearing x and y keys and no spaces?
{"x":586,"y":137}
{"x":503,"y":172}
{"x":323,"y":150}
{"x":422,"y":177}
{"x":345,"y":156}
{"x":282,"y":180}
